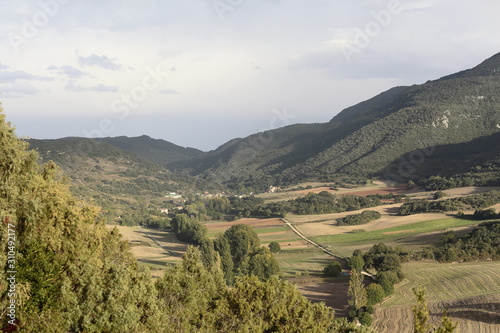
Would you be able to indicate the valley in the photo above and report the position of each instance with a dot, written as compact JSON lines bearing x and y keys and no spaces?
{"x":402,"y":189}
{"x":458,"y":287}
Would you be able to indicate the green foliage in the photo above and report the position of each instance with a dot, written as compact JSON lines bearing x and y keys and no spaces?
{"x":482,"y":243}
{"x":260,"y":263}
{"x":448,"y":237}
{"x":242,"y":240}
{"x":421,"y":317}
{"x":384,"y":258}
{"x":332,"y":269}
{"x":188,"y":229}
{"x":72,"y":273}
{"x":117,"y":180}
{"x":356,"y":262}
{"x":356,"y":294}
{"x":274,"y":247}
{"x":365,"y":319}
{"x":221,"y":245}
{"x":475,"y":201}
{"x":362,"y":218}
{"x":439,"y":195}
{"x":486,"y":214}
{"x":375,"y":293}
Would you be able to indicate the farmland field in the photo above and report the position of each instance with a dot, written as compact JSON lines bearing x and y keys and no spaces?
{"x":153,"y":248}
{"x":469,"y":291}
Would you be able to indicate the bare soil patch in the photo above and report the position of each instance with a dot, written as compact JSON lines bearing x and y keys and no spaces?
{"x":275,"y":222}
{"x":333,"y":294}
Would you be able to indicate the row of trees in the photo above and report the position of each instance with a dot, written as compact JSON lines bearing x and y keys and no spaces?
{"x":356,"y":219}
{"x":312,"y":203}
{"x":476,"y":201}
{"x":482,"y":243}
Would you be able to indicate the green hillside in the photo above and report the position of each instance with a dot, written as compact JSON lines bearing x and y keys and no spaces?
{"x":363,"y":140}
{"x":126,"y":186}
{"x":158,"y":151}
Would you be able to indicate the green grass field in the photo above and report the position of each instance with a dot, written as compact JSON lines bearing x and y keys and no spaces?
{"x":394,"y":232}
{"x":311,"y":260}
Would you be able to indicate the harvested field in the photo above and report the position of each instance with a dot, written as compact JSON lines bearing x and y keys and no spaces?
{"x":477,"y":314}
{"x":333,"y":292}
{"x":153,"y":248}
{"x":469,"y":291}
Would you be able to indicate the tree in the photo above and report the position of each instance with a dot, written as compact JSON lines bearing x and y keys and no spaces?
{"x":242,"y":240}
{"x":221,"y":245}
{"x":332,"y":269}
{"x":275,"y":305}
{"x":439,"y":195}
{"x":260,"y":263}
{"x":274,"y":247}
{"x":448,"y":237}
{"x":188,"y":291}
{"x":356,"y":262}
{"x":421,"y":316}
{"x":374,"y":293}
{"x":356,"y":294}
{"x":73,"y":274}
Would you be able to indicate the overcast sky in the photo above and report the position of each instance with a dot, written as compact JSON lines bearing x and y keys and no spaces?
{"x":201,"y":72}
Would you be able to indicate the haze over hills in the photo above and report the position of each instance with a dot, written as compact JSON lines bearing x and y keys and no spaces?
{"x":365,"y":140}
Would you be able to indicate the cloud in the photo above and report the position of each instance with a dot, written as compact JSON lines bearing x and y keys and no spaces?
{"x":16,"y":75}
{"x":100,"y":61}
{"x":69,"y":71}
{"x":169,"y":92}
{"x":2,"y":66}
{"x":72,"y":86}
{"x":17,"y":90}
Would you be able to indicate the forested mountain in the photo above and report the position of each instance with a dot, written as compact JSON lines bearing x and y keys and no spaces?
{"x":155,"y":150}
{"x":120,"y":181}
{"x":365,"y":139}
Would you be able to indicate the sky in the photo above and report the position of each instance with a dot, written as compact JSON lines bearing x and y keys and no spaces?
{"x":201,"y":72}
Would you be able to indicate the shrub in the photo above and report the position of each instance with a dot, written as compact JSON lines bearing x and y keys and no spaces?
{"x":274,"y":247}
{"x":375,"y":293}
{"x":365,"y":319}
{"x":332,"y":269}
{"x":356,"y":262}
{"x":439,"y":195}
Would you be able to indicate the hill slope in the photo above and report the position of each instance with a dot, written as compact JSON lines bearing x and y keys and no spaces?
{"x":158,"y":151}
{"x":364,"y":139}
{"x":125,"y":185}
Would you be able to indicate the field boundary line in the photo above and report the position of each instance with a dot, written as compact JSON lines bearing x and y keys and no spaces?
{"x":319,"y":246}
